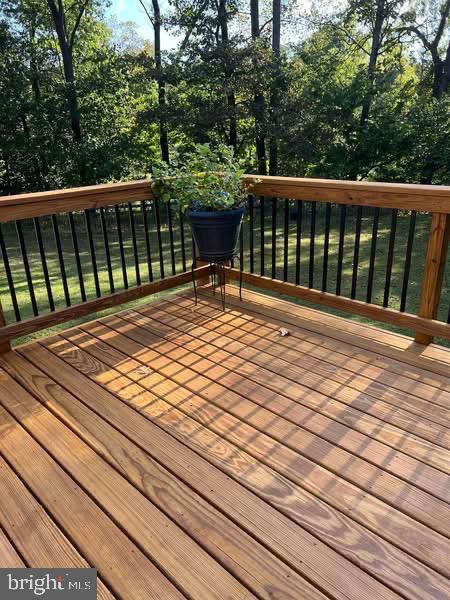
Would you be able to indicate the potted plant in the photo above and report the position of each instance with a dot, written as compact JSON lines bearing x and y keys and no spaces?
{"x":207,"y":186}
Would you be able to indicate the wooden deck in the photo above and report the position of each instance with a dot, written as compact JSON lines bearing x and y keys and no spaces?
{"x":193,"y":453}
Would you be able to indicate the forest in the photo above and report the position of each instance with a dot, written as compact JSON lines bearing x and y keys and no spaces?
{"x":357,"y":89}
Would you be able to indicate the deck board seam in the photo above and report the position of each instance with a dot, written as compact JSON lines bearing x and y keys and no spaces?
{"x":359,"y":524}
{"x":337,"y":334}
{"x":287,"y":419}
{"x":270,"y":323}
{"x":138,"y":360}
{"x":4,"y":531}
{"x":347,"y":407}
{"x":85,"y":491}
{"x":389,"y":403}
{"x":125,"y":476}
{"x":168,"y":433}
{"x":57,"y":523}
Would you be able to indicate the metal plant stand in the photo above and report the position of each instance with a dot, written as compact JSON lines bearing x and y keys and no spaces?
{"x":218,"y":278}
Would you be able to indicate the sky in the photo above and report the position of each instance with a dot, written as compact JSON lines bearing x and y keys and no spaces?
{"x":131,"y":10}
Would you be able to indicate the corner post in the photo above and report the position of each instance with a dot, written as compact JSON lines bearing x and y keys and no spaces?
{"x":4,"y":346}
{"x":434,"y":271}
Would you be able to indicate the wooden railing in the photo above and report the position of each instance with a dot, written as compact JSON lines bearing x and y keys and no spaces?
{"x":109,"y":244}
{"x":94,"y":247}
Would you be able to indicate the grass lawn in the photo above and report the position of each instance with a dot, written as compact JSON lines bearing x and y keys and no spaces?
{"x":23,"y":296}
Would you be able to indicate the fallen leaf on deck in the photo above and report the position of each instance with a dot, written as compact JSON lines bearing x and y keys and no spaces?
{"x":143,"y":370}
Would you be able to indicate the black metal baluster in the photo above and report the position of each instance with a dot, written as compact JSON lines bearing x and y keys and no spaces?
{"x":312,"y":242}
{"x":409,"y":247}
{"x":134,"y":242}
{"x":158,"y":233}
{"x":62,"y":265}
{"x":9,"y":278}
{"x":26,"y":265}
{"x":121,"y":248}
{"x":390,"y":257}
{"x":326,"y":245}
{"x":356,"y":251}
{"x":48,"y":285}
{"x":147,"y":240}
{"x":87,"y":216}
{"x":241,"y":249}
{"x":342,"y":219}
{"x":251,"y":234}
{"x":274,"y":237}
{"x":298,"y":246}
{"x":373,"y":249}
{"x":171,"y":240}
{"x":183,"y":249}
{"x":107,"y":252}
{"x":77,"y":256}
{"x":448,"y":316}
{"x":262,"y":229}
{"x":286,"y":240}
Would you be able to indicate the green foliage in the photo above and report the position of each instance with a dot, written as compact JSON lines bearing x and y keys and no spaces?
{"x":210,"y":83}
{"x":202,"y":179}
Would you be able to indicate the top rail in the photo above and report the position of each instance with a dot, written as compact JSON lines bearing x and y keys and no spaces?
{"x":427,"y":198}
{"x":407,"y":196}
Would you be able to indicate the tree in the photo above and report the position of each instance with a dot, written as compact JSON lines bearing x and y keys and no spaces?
{"x":222,"y":14}
{"x":379,"y":17}
{"x":258,"y":102}
{"x":275,"y":87}
{"x":156,"y":21}
{"x":432,"y":43}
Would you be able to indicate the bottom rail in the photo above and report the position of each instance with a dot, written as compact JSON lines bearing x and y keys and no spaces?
{"x":14,"y":330}
{"x":429,"y":327}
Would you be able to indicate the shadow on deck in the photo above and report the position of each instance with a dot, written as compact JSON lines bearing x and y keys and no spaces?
{"x":187,"y":452}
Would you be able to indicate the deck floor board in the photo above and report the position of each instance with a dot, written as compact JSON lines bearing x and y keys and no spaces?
{"x":211,"y":458}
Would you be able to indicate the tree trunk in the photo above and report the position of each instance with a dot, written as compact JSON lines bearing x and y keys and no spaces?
{"x":275,"y":91}
{"x":258,"y":102}
{"x":163,"y":135}
{"x":441,"y":80}
{"x":65,"y":46}
{"x":373,"y":59}
{"x":228,"y":73}
{"x":67,"y":58}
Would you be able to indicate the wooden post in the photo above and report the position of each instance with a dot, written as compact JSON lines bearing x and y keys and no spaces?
{"x":434,"y":271}
{"x":4,"y":346}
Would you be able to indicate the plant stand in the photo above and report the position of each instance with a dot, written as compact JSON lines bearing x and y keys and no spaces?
{"x":218,"y":278}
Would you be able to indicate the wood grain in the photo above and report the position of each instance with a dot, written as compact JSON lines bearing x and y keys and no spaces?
{"x":305,"y":344}
{"x":430,"y":361}
{"x":324,"y":567}
{"x":301,"y":506}
{"x":25,"y":206}
{"x":118,"y":560}
{"x":287,"y":384}
{"x":211,"y":320}
{"x":382,"y":195}
{"x":9,"y":559}
{"x":34,"y":533}
{"x":375,"y":481}
{"x":434,"y":271}
{"x":195,"y":572}
{"x":431,"y":198}
{"x":226,"y":369}
{"x":248,"y":560}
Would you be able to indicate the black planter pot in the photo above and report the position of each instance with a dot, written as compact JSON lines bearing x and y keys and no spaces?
{"x":216,"y":233}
